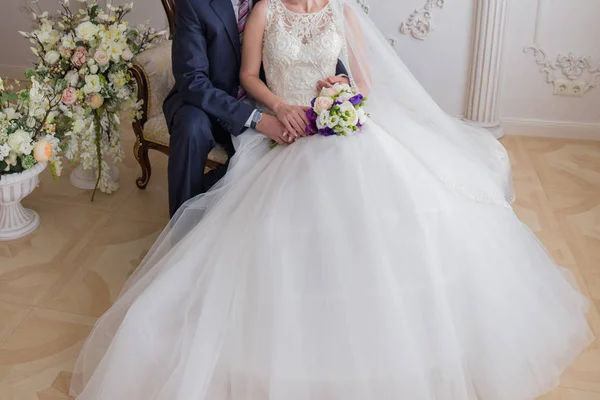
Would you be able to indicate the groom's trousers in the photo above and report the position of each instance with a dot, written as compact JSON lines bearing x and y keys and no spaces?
{"x":193,"y":136}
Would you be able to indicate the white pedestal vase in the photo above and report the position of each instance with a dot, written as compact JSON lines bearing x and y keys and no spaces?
{"x":15,"y":220}
{"x":86,"y":179}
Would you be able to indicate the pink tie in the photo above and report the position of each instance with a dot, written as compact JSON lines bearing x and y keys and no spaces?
{"x":243,"y":13}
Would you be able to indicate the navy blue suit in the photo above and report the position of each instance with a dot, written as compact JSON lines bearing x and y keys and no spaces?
{"x":202,"y":108}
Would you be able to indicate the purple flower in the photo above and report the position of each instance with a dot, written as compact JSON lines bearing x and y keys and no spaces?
{"x":356,"y":100}
{"x":326,"y":132}
{"x":312,"y":103}
{"x":336,"y":103}
{"x":311,"y":115}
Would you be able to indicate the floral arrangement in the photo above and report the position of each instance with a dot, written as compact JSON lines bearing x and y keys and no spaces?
{"x":85,"y":57}
{"x":338,"y":110}
{"x":31,"y":129}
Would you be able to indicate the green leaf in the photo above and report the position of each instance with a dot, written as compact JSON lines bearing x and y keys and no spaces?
{"x":10,"y":97}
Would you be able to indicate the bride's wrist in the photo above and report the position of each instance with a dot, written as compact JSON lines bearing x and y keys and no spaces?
{"x":277,"y":106}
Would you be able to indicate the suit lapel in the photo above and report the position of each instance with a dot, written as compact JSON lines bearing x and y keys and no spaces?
{"x":224,"y":10}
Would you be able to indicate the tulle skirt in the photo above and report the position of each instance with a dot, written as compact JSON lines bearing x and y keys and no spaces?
{"x":337,"y":268}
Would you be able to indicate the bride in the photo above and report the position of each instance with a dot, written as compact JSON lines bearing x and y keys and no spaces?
{"x":385,"y":265}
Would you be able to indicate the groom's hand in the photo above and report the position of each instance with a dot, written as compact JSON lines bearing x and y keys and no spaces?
{"x":272,"y":128}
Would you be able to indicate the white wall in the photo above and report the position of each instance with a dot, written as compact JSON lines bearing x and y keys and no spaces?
{"x":528,"y":105}
{"x":15,"y":55}
{"x":556,"y":27}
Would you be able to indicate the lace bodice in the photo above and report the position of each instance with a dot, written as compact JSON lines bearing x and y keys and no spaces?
{"x":301,"y":49}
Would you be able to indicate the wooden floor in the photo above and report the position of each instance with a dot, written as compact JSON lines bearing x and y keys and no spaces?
{"x":56,"y":282}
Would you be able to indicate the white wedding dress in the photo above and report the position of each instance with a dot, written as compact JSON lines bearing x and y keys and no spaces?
{"x":340,"y":268}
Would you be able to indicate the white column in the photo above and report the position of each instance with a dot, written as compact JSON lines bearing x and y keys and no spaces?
{"x":486,"y":65}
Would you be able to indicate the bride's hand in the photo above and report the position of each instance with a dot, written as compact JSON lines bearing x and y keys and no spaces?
{"x":293,"y":118}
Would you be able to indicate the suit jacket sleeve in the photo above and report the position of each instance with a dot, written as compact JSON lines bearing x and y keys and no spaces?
{"x":191,"y":71}
{"x":341,"y":69}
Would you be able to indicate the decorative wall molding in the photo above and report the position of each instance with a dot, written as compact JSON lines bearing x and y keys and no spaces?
{"x":571,"y":66}
{"x":420,"y":23}
{"x":363,"y":4}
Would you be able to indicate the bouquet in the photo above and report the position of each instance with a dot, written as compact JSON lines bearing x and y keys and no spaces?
{"x":31,"y":129}
{"x":85,"y":56}
{"x":338,"y":110}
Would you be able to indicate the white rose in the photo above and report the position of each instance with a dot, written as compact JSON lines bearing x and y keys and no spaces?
{"x":87,"y":30}
{"x":17,"y":139}
{"x":322,"y":120}
{"x":92,"y":84}
{"x":338,"y":87}
{"x":328,"y":91}
{"x":344,"y":96}
{"x":322,"y":103}
{"x":349,"y":113}
{"x":94,"y":69}
{"x":127,"y":55}
{"x":72,"y":78}
{"x":101,"y":57}
{"x":52,"y":57}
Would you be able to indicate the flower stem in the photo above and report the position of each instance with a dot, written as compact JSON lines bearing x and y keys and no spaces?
{"x":98,"y":141}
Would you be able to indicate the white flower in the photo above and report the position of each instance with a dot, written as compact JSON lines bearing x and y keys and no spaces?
{"x":333,"y":121}
{"x":72,"y":78}
{"x":328,"y":92}
{"x":322,"y":120}
{"x":346,"y":131}
{"x":118,"y":79}
{"x":92,"y":84}
{"x":68,"y":42}
{"x":1,"y":84}
{"x":4,"y":151}
{"x":11,"y":160}
{"x":87,"y":30}
{"x":362,"y":116}
{"x":101,"y":57}
{"x":342,"y":87}
{"x":17,"y":139}
{"x":322,"y":103}
{"x":26,"y":148}
{"x":94,"y":69}
{"x":78,"y":126}
{"x":11,"y":114}
{"x":52,"y":57}
{"x":349,"y":113}
{"x":127,"y":54}
{"x":344,"y":96}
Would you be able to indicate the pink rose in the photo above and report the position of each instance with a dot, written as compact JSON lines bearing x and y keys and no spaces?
{"x":96,"y":100}
{"x":42,"y":151}
{"x":322,"y":103}
{"x":80,"y":56}
{"x":69,"y":96}
{"x":101,"y":57}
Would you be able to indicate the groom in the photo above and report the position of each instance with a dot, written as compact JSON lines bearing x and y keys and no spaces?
{"x":207,"y":104}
